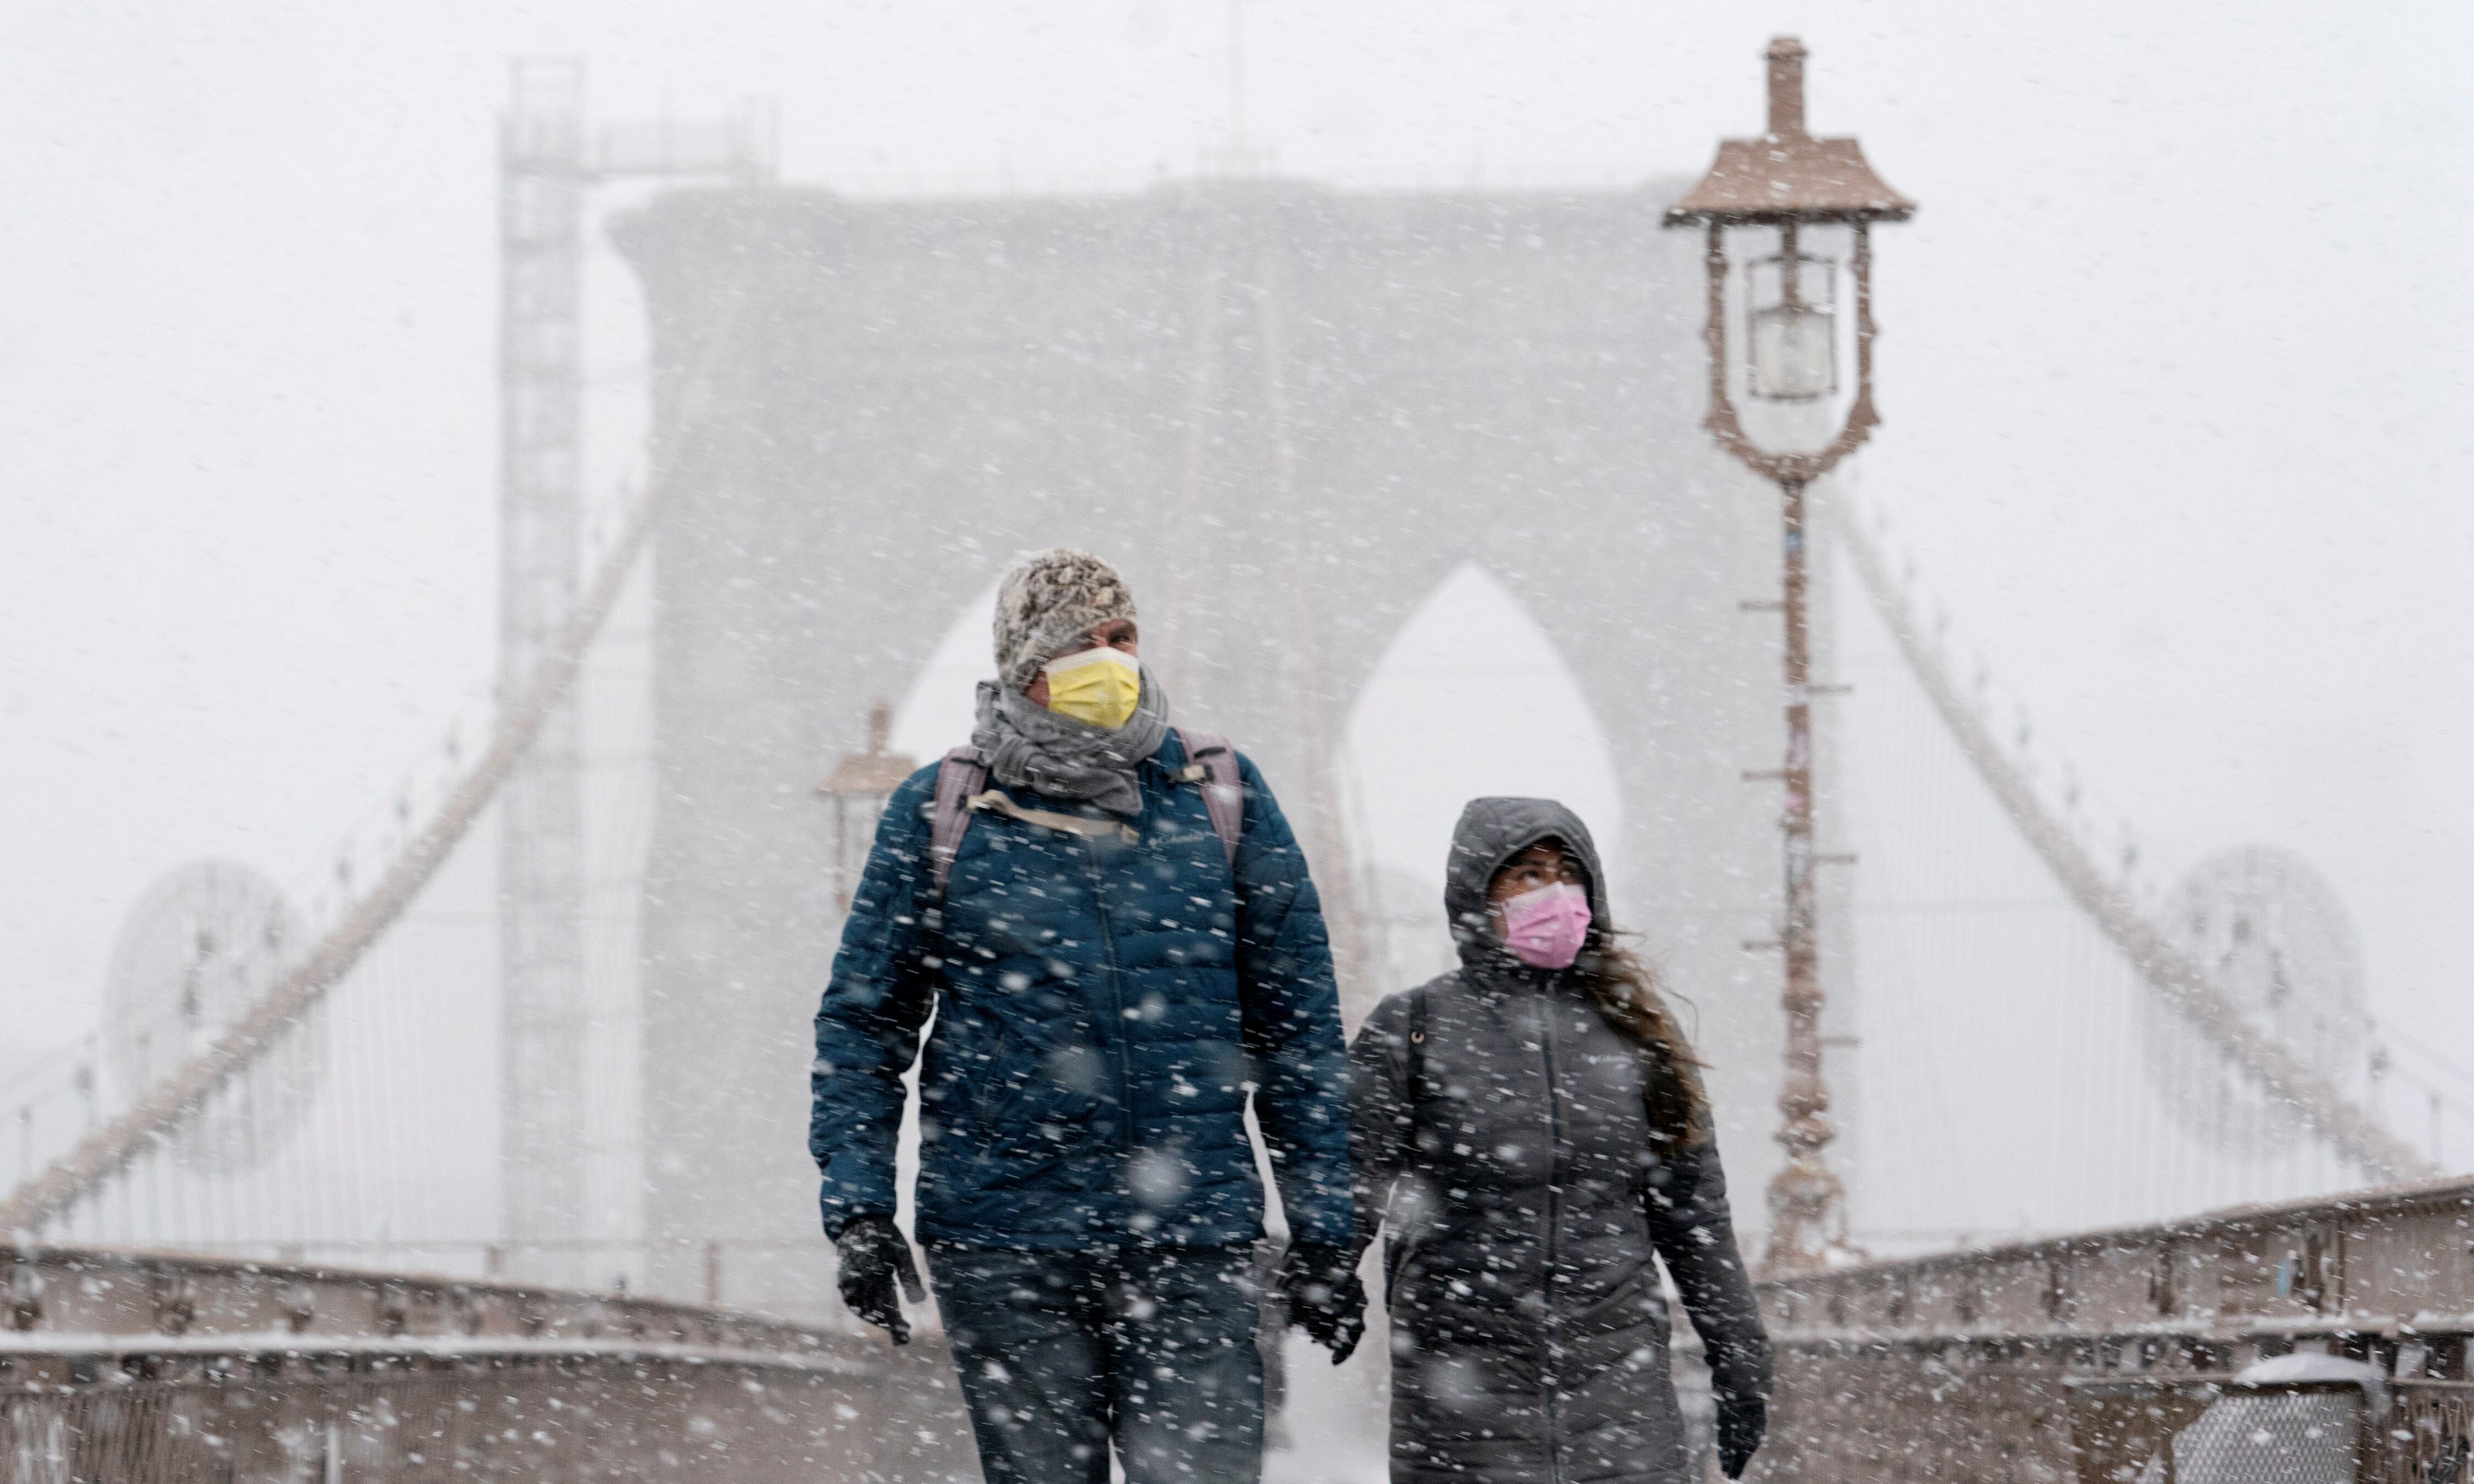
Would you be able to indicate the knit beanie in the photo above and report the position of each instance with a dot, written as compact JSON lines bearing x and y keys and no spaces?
{"x":1048,"y":603}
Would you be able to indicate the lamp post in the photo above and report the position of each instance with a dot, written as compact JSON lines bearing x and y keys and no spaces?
{"x":859,"y":787}
{"x":1785,"y":182}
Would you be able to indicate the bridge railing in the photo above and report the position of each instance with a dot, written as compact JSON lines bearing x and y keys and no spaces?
{"x":2045,"y":1360}
{"x":142,"y":1368}
{"x":723,"y":1272}
{"x":59,"y":1302}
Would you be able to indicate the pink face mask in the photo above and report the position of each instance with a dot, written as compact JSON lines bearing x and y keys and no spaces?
{"x":1546,"y":927}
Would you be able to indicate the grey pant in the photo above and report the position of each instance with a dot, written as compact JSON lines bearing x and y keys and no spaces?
{"x":1149,"y":1348}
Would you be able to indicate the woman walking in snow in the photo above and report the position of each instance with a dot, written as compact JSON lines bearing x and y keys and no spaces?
{"x":1528,"y":1129}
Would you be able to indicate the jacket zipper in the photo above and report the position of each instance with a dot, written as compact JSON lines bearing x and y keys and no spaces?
{"x":1554,"y":1222}
{"x":1117,"y":997}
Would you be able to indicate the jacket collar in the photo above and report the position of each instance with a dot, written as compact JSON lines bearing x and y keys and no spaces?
{"x":1490,"y":969}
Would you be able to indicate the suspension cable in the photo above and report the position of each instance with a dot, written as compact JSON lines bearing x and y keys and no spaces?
{"x":162,"y":1109}
{"x":2167,"y":969}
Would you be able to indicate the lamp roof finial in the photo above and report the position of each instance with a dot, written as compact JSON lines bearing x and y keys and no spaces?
{"x":1787,"y":175}
{"x":1786,"y":88}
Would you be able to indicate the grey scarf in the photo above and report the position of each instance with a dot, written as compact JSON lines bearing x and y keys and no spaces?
{"x":1028,"y":745}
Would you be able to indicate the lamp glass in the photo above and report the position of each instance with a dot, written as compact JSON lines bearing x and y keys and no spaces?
{"x":1794,"y":347}
{"x":855,"y":820}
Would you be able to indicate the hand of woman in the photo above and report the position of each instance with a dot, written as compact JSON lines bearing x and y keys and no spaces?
{"x":1326,"y":1297}
{"x":1741,"y":1422}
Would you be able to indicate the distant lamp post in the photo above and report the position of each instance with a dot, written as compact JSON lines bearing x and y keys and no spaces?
{"x":1780,"y":185}
{"x":859,"y":786}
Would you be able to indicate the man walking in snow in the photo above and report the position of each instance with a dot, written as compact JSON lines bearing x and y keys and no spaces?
{"x":1115,"y":929}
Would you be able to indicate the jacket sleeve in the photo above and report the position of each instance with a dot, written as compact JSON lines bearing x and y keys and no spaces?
{"x":1379,"y":1110}
{"x":1298,"y":1062}
{"x":868,"y":1024}
{"x":1695,"y":1232}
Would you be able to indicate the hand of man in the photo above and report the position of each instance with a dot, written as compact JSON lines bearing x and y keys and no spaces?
{"x":873,"y":1253}
{"x":1741,"y":1422}
{"x":1325,"y":1296}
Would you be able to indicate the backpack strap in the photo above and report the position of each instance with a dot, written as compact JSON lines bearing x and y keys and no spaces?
{"x":1210,"y":761}
{"x":1396,"y":1241}
{"x":1417,"y":1058}
{"x":1082,"y":824}
{"x":963,"y":774}
{"x":962,"y":782}
{"x":1416,"y":1055}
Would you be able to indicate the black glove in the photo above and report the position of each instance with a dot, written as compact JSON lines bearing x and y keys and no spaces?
{"x":1741,"y":1422}
{"x":874,"y":1251}
{"x":1324,"y":1297}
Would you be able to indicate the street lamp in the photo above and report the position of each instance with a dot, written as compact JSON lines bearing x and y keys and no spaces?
{"x":1792,"y":346}
{"x":1783,"y":182}
{"x":859,"y":787}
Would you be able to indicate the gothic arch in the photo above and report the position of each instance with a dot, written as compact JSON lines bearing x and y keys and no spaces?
{"x":1288,"y":414}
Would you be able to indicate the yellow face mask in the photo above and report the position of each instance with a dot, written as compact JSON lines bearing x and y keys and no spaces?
{"x":1101,"y":686}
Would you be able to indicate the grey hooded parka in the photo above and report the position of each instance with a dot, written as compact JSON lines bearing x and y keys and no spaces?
{"x":1526,"y":1205}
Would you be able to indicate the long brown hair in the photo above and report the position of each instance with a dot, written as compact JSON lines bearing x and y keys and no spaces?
{"x":1632,"y":1000}
{"x":1629,"y":995}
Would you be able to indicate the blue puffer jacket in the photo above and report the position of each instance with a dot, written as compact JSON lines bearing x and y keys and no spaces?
{"x":1101,"y":1005}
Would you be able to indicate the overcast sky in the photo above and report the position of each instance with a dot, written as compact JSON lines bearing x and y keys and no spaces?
{"x":2175,"y":366}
